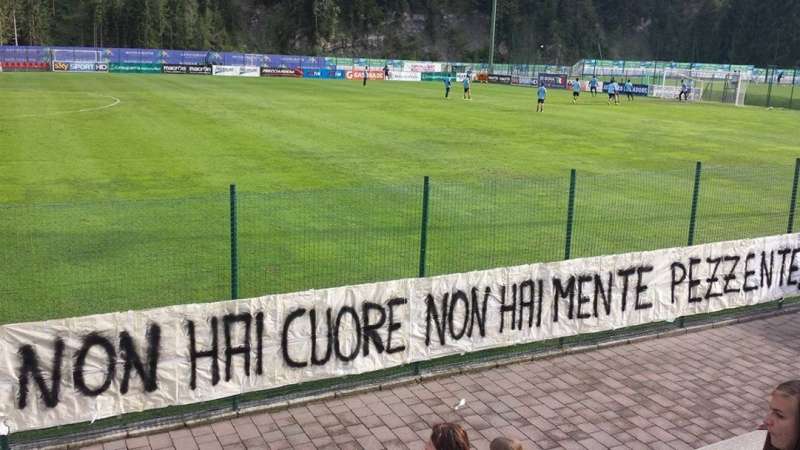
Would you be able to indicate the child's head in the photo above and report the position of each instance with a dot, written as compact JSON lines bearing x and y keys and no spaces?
{"x":448,"y":436}
{"x":502,"y":443}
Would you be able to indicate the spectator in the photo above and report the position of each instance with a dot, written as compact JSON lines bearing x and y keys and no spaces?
{"x":502,"y":443}
{"x":783,"y":420}
{"x":448,"y":436}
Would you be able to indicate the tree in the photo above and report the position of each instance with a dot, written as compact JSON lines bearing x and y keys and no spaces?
{"x":326,"y":18}
{"x":186,"y":25}
{"x":153,"y":24}
{"x":725,"y":31}
{"x":33,"y":21}
{"x":6,"y":23}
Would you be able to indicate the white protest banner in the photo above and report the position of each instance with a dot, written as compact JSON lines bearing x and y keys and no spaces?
{"x":397,"y":75}
{"x":73,"y":370}
{"x":236,"y":71}
{"x":249,"y":71}
{"x":224,"y":71}
{"x":422,"y":66}
{"x":461,"y":75}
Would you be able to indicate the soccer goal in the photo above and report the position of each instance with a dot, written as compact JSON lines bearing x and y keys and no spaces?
{"x":734,"y":89}
{"x":672,"y":84}
{"x":77,"y":60}
{"x":77,"y":55}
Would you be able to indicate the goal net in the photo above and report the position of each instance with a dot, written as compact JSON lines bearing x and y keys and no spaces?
{"x":77,"y":55}
{"x":734,"y":89}
{"x":678,"y":85}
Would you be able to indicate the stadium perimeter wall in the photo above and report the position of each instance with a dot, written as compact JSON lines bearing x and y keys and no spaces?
{"x":773,"y":86}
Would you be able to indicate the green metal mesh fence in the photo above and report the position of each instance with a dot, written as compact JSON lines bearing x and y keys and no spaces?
{"x":631,"y":211}
{"x":80,"y":259}
{"x":70,"y":260}
{"x":772,"y":87}
{"x":495,"y":224}
{"x":743,"y":202}
{"x":779,"y":89}
{"x":296,"y":241}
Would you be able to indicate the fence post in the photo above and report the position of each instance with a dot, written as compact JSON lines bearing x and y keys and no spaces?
{"x":655,"y":68}
{"x":713,"y":82}
{"x":695,"y":195}
{"x":423,"y":232}
{"x":793,"y":200}
{"x":423,"y":243}
{"x":234,"y":248}
{"x":770,"y":75}
{"x":570,"y":214}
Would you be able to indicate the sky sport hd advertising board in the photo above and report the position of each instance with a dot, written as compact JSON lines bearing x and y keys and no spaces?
{"x":61,"y":66}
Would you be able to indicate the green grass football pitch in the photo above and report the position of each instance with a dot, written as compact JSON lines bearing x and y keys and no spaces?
{"x":114,"y":188}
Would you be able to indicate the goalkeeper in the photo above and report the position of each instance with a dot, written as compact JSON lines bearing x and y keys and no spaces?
{"x":684,"y":91}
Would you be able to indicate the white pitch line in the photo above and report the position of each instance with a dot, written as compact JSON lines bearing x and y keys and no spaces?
{"x":110,"y":105}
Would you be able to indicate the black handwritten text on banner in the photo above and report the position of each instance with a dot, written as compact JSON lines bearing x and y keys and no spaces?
{"x":73,"y":370}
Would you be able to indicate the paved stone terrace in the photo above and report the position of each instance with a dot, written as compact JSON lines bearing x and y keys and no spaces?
{"x":679,"y":392}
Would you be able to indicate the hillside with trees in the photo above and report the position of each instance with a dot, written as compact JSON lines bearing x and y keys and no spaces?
{"x":528,"y":31}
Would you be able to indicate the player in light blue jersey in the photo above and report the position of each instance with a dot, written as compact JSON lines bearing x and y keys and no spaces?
{"x":541,"y":95}
{"x":628,"y":89}
{"x":446,"y":87}
{"x":576,"y":89}
{"x":612,"y":91}
{"x":593,"y":86}
{"x":467,"y":90}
